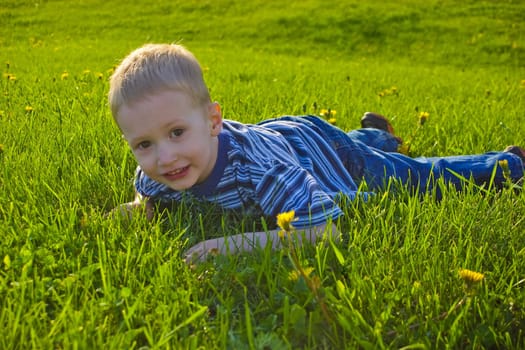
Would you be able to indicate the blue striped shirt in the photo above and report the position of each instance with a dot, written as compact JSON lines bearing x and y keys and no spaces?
{"x":282,"y":164}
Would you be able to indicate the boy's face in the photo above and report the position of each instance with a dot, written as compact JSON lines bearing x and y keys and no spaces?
{"x":174,"y":141}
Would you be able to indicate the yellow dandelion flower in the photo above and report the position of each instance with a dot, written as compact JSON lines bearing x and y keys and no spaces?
{"x":284,"y":220}
{"x":328,"y":113}
{"x":404,"y":148}
{"x":86,"y":71}
{"x":522,"y":83}
{"x":29,"y":109}
{"x":7,"y":262}
{"x":470,"y":276}
{"x":423,"y":116}
{"x":64,"y":76}
{"x":294,"y":275}
{"x":1,"y":148}
{"x":9,"y":76}
{"x":100,"y":75}
{"x":332,"y":121}
{"x":504,"y":165}
{"x":84,"y":221}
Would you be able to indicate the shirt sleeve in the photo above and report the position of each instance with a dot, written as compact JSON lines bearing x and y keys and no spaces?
{"x":284,"y":188}
{"x":147,"y":187}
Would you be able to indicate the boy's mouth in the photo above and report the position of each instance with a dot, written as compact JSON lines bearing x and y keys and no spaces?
{"x":177,"y":173}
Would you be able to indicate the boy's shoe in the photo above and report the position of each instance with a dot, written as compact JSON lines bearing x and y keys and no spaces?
{"x":517,"y":150}
{"x":377,"y":121}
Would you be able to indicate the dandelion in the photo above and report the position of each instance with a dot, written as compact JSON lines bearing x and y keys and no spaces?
{"x":29,"y":109}
{"x":1,"y":149}
{"x":504,"y":165}
{"x":7,"y":262}
{"x":9,"y":76}
{"x":86,"y":72}
{"x":328,"y":113}
{"x":64,"y":75}
{"x":100,"y":76}
{"x":522,"y":84}
{"x":388,"y":92}
{"x":404,"y":148}
{"x":294,"y":275}
{"x":84,"y":221}
{"x":416,"y":286}
{"x":423,"y":116}
{"x":471,"y":277}
{"x":284,"y":220}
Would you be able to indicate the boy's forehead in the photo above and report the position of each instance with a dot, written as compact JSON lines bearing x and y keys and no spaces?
{"x":168,"y":100}
{"x":176,"y":97}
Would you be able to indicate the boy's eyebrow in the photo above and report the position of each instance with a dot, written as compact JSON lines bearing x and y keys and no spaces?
{"x":167,"y":126}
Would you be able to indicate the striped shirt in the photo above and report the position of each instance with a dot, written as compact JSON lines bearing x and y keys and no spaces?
{"x":282,"y":164}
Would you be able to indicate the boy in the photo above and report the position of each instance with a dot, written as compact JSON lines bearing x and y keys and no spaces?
{"x":185,"y":150}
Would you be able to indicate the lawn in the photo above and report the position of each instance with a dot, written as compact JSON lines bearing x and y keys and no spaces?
{"x":70,"y":277}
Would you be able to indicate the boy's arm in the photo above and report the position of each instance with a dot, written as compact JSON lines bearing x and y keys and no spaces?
{"x":246,"y":242}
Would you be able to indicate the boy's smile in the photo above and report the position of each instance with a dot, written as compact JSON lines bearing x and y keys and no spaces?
{"x":173,"y":139}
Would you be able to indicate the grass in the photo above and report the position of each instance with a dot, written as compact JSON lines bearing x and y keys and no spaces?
{"x":71,"y":278}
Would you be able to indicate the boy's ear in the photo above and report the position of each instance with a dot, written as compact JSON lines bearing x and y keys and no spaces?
{"x":215,"y":116}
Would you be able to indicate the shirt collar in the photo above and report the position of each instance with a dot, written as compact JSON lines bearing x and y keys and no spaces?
{"x":207,"y":187}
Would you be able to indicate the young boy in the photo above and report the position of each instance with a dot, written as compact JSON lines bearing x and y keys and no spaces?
{"x":186,"y":150}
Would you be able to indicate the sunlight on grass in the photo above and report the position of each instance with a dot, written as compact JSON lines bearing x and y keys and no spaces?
{"x":409,"y":271}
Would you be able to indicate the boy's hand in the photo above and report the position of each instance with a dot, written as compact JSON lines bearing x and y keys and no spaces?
{"x":139,"y":205}
{"x":200,"y":251}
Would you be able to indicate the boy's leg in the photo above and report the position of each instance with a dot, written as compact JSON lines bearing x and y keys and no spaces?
{"x":376,"y":167}
{"x":377,"y":138}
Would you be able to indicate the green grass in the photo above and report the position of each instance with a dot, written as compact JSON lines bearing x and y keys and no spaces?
{"x":71,"y":278}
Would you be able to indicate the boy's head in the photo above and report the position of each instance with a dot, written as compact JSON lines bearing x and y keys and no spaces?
{"x":154,"y":68}
{"x":162,"y":106}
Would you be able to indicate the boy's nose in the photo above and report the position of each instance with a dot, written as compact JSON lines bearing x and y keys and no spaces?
{"x":166,"y":155}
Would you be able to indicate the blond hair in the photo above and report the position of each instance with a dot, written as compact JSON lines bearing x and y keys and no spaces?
{"x":153,"y":68}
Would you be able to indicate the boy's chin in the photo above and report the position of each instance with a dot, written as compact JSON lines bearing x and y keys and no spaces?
{"x":182,"y":186}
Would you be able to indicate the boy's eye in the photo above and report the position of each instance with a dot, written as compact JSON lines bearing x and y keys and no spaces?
{"x":143,"y":145}
{"x":176,"y":132}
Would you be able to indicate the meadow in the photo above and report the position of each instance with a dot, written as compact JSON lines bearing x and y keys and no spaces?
{"x":72,"y":278}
